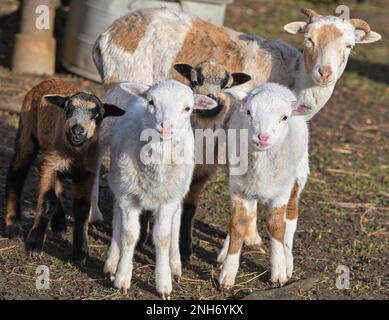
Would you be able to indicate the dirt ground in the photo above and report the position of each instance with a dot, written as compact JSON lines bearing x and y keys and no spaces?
{"x":344,"y":208}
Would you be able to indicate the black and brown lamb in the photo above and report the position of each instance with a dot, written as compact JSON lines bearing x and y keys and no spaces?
{"x":63,"y":122}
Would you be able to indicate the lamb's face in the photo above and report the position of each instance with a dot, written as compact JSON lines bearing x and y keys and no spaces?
{"x":169,"y":106}
{"x":266,"y":118}
{"x":210,"y":78}
{"x":84,"y":112}
{"x":266,"y":111}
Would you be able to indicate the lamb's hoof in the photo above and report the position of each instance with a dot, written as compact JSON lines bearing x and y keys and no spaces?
{"x":14,"y":231}
{"x":165,"y":296}
{"x":34,"y":243}
{"x":123,"y":283}
{"x":226,"y":281}
{"x":80,"y":258}
{"x":278,"y":278}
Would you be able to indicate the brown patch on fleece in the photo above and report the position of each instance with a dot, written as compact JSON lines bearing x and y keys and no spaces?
{"x":275,"y":223}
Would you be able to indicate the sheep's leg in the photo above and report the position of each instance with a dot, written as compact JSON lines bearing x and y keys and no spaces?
{"x":111,"y":263}
{"x":130,"y":213}
{"x":81,"y":206}
{"x":58,"y":222}
{"x":162,"y":234}
{"x":25,"y":152}
{"x":242,"y":213}
{"x":252,"y":238}
{"x":95,"y":215}
{"x":175,"y":259}
{"x":47,"y":206}
{"x":290,"y":228}
{"x":188,"y":213}
{"x":276,"y":226}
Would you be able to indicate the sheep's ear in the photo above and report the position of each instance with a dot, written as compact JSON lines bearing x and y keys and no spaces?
{"x":202,"y":102}
{"x":299,"y":109}
{"x":295,"y":27}
{"x":185,"y":70}
{"x":59,"y":101}
{"x":237,"y":94}
{"x":135,"y":89}
{"x":360,"y":36}
{"x":111,"y":110}
{"x":240,"y":78}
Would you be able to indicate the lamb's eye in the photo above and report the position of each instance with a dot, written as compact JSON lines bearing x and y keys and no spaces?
{"x":284,"y":118}
{"x":248,"y":112}
{"x":349,"y":46}
{"x":187,"y":109}
{"x":151,"y":102}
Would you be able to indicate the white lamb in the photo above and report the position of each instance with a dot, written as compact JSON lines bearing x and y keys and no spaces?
{"x":157,"y":183}
{"x":277,"y":162}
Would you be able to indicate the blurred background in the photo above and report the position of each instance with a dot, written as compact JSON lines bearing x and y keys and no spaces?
{"x":344,"y":208}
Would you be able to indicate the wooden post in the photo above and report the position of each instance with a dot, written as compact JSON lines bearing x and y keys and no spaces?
{"x":34,"y":50}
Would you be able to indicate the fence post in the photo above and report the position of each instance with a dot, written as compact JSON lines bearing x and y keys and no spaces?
{"x":34,"y":50}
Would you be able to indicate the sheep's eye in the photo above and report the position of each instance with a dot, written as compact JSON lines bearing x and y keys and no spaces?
{"x":349,"y":46}
{"x":187,"y":109}
{"x":248,"y":112}
{"x":151,"y":102}
{"x":284,"y":118}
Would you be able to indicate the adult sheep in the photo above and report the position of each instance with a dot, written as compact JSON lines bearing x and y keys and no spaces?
{"x":144,"y":46}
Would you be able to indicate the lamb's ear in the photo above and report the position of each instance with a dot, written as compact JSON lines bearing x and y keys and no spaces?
{"x":135,"y":89}
{"x":295,"y":27}
{"x":59,"y":101}
{"x":237,"y":94}
{"x":360,"y":36}
{"x":299,"y":109}
{"x":202,"y":102}
{"x":185,"y":70}
{"x":240,"y":78}
{"x":111,"y":110}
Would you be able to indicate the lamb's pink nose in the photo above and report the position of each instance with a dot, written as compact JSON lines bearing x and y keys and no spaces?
{"x":263,"y":138}
{"x":166,"y":127}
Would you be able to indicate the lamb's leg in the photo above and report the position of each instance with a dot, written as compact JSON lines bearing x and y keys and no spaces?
{"x":111,"y":263}
{"x":189,"y":210}
{"x":81,"y":208}
{"x":130,"y":213}
{"x":241,"y":214}
{"x":47,"y":206}
{"x":95,"y":215}
{"x":25,"y":153}
{"x":58,"y":222}
{"x":290,"y":228}
{"x":276,"y":226}
{"x":175,"y":259}
{"x":252,"y":238}
{"x":162,"y":234}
